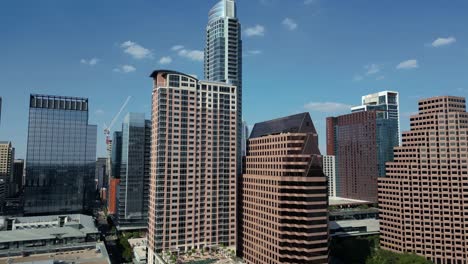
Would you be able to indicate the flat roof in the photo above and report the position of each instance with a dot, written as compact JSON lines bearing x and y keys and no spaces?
{"x":336,"y":201}
{"x":89,"y":256}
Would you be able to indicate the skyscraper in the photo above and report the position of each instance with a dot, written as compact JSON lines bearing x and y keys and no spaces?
{"x":362,"y":142}
{"x":61,"y":156}
{"x":193,"y":164}
{"x":223,"y":50}
{"x":114,"y":179}
{"x":101,"y":173}
{"x":423,"y":199}
{"x":223,"y":58}
{"x":18,"y":173}
{"x":285,"y":200}
{"x":133,"y":188}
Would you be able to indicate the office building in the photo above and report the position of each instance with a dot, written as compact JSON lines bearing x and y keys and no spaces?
{"x":0,"y":110}
{"x":245,"y":138}
{"x":114,"y":179}
{"x":285,"y":200}
{"x":193,"y":164}
{"x":386,"y":103}
{"x":362,"y":142}
{"x":23,"y":236}
{"x":101,"y":174}
{"x":133,"y":188}
{"x":18,"y":173}
{"x":329,"y":171}
{"x":423,"y":199}
{"x":61,"y":156}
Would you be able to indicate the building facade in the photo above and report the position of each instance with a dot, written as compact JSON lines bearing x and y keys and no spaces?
{"x":133,"y":188}
{"x":7,"y":157}
{"x":61,"y":156}
{"x":329,"y":170}
{"x":18,"y":173}
{"x":101,"y":174}
{"x":285,"y":200}
{"x":362,"y":142}
{"x":193,"y":164}
{"x":423,"y":199}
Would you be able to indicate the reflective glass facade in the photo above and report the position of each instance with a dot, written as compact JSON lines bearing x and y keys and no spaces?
{"x":134,"y":172}
{"x":61,"y":155}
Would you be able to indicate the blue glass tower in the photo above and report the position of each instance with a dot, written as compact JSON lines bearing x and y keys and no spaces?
{"x":133,"y":191}
{"x":61,"y":156}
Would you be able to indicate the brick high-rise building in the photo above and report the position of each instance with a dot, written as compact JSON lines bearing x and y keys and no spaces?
{"x":285,"y":201}
{"x":193,"y":164}
{"x":423,"y":200}
{"x":362,"y":142}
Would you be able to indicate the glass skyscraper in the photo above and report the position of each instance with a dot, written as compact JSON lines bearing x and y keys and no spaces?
{"x":61,"y":156}
{"x":133,"y":190}
{"x":223,"y":57}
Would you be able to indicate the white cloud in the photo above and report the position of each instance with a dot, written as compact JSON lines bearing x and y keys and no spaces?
{"x":195,"y":55}
{"x":256,"y":30}
{"x":443,"y":42}
{"x":327,"y":107}
{"x":136,"y":51}
{"x":99,"y":112}
{"x":358,"y":78}
{"x":177,"y":47}
{"x":309,"y":2}
{"x":125,"y":69}
{"x":289,"y":23}
{"x":380,"y":78}
{"x":165,"y":60}
{"x":254,"y":52}
{"x":372,"y":69}
{"x":90,"y":62}
{"x":409,"y":64}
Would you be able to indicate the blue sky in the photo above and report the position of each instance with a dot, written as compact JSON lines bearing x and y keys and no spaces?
{"x":314,"y":55}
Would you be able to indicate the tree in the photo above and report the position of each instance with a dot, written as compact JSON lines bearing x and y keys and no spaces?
{"x":387,"y":257}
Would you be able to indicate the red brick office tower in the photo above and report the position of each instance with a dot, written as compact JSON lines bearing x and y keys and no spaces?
{"x":423,"y":199}
{"x":284,"y":192}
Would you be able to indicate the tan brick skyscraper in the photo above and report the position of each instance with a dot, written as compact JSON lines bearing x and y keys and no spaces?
{"x":193,"y":164}
{"x":284,"y":195}
{"x":423,"y":199}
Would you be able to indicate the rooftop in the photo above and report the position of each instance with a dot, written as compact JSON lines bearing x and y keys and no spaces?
{"x":339,"y":201}
{"x":299,"y":123}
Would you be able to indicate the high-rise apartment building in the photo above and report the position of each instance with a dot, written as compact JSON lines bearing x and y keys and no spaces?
{"x":61,"y":156}
{"x":423,"y":198}
{"x":223,"y":50}
{"x":133,"y":188}
{"x":285,"y":200}
{"x":193,"y":164}
{"x":223,"y":59}
{"x":362,"y":142}
{"x":329,"y":169}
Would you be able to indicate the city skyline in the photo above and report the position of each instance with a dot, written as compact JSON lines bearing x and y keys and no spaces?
{"x":435,"y":39}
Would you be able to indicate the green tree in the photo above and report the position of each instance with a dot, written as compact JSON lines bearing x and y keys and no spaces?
{"x":387,"y":257}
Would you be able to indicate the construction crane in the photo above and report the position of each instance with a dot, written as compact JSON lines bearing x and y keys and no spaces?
{"x":107,"y":132}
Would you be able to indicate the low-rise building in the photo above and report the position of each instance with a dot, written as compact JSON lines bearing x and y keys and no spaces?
{"x":23,"y":236}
